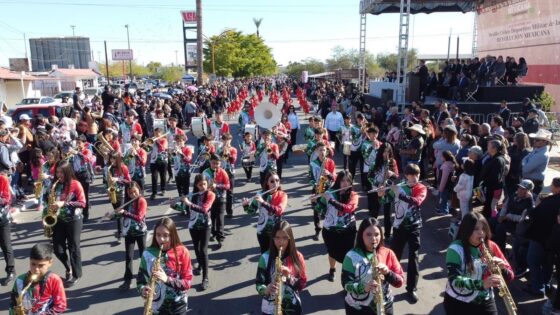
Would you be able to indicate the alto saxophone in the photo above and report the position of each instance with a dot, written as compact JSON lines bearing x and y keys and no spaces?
{"x":152,"y":284}
{"x":503,"y":290}
{"x":111,"y":187}
{"x":50,"y":219}
{"x":323,"y":179}
{"x":19,"y":309}
{"x":39,"y":183}
{"x":278,"y":280}
{"x":377,"y":277}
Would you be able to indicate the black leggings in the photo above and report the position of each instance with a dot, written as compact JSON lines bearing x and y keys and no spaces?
{"x":229,"y":194}
{"x":119,"y":219}
{"x":85,"y":185}
{"x":352,"y":311}
{"x":200,"y":240}
{"x":161,"y":168}
{"x":129,"y":242}
{"x":6,"y":245}
{"x":264,"y":241}
{"x":356,"y":159}
{"x":455,"y":307}
{"x":217,"y":216}
{"x":183,"y":181}
{"x":66,"y":235}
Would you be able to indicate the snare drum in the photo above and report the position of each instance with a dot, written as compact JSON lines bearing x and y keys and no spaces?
{"x":199,"y":127}
{"x":247,"y":162}
{"x":252,"y":129}
{"x":347,"y":148}
{"x":299,"y":148}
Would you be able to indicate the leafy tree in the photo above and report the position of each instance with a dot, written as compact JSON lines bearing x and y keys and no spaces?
{"x":313,"y":66}
{"x":389,"y":61}
{"x":239,"y":55}
{"x":153,"y":66}
{"x":172,"y":74}
{"x":350,"y":59}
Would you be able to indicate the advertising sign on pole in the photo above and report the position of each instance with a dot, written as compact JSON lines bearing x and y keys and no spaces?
{"x":189,"y":17}
{"x":122,"y":54}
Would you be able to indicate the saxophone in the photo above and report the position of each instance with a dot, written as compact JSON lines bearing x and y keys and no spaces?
{"x":111,"y":187}
{"x":278,"y":280}
{"x":503,"y":290}
{"x":39,"y":183}
{"x":323,"y":179}
{"x":19,"y":309}
{"x":378,"y":278}
{"x":152,"y":284}
{"x":50,"y":219}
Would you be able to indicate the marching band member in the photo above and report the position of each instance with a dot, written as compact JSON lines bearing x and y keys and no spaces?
{"x":82,"y":162}
{"x":270,"y":205}
{"x":134,"y":229}
{"x":69,"y":201}
{"x":358,"y":137}
{"x":345,"y":135}
{"x":200,"y":114}
{"x":384,"y":171}
{"x":128,"y":129}
{"x":228,"y":153}
{"x":248,"y":149}
{"x":312,"y":145}
{"x":245,"y":117}
{"x":218,"y":127}
{"x":321,"y":173}
{"x":369,"y":152}
{"x":268,"y":154}
{"x":135,"y":159}
{"x":158,"y":162}
{"x":205,"y":149}
{"x":6,"y":226}
{"x":339,"y":227}
{"x":172,"y":133}
{"x":358,"y":269}
{"x":470,"y":284}
{"x":120,"y":178}
{"x":283,"y":142}
{"x":218,"y":181}
{"x":199,"y":207}
{"x":293,"y":274}
{"x":408,"y":198}
{"x":309,"y":133}
{"x":182,"y":159}
{"x":174,"y":275}
{"x":45,"y":292}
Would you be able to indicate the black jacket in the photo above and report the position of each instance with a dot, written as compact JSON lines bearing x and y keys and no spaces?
{"x":493,"y":172}
{"x":542,"y":219}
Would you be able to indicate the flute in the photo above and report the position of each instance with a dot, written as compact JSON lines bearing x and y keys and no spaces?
{"x":331,"y":191}
{"x":109,"y":214}
{"x":253,"y":198}
{"x":382,"y":188}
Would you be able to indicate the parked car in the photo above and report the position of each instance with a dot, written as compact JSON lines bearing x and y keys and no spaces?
{"x":58,"y":97}
{"x":56,"y":109}
{"x":37,"y":100}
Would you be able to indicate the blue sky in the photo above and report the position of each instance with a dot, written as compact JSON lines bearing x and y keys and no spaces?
{"x":295,"y":29}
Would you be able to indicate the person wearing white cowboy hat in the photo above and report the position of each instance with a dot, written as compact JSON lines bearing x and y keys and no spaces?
{"x":412,"y":153}
{"x":533,"y":166}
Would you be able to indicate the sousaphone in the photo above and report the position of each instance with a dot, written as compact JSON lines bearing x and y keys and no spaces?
{"x":267,"y":115}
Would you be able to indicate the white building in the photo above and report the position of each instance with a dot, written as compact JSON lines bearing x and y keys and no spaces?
{"x":15,"y":86}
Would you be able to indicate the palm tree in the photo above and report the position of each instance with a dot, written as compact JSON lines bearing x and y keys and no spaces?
{"x":257,"y":24}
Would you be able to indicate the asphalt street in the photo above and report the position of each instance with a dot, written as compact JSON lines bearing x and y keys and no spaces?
{"x":233,"y":267}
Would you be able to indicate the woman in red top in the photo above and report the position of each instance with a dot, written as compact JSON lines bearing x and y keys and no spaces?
{"x":134,"y":229}
{"x":69,"y":202}
{"x":121,"y":178}
{"x":5,"y":227}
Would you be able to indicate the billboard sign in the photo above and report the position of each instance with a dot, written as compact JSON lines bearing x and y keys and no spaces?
{"x":191,"y":55}
{"x":122,"y":54}
{"x":19,"y":64}
{"x":189,"y":17}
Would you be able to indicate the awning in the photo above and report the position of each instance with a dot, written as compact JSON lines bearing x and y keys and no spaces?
{"x":377,"y":7}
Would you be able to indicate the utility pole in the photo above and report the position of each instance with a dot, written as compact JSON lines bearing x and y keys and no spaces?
{"x":106,"y":62}
{"x":73,"y":32}
{"x":130,"y":61}
{"x":199,"y":42}
{"x":176,"y":58}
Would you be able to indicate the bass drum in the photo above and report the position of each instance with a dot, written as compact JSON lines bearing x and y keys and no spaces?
{"x":199,"y":127}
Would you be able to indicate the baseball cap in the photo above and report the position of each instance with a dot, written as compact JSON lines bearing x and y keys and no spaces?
{"x":533,"y":110}
{"x":526,"y":184}
{"x":24,"y":117}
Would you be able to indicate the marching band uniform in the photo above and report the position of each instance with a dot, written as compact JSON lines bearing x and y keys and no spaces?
{"x":199,"y":228}
{"x":377,"y":178}
{"x":121,"y":178}
{"x":82,"y":164}
{"x":47,"y":296}
{"x":218,"y":130}
{"x":315,"y":175}
{"x":270,"y":212}
{"x":134,"y":231}
{"x":368,"y":150}
{"x":158,"y":164}
{"x":282,"y":143}
{"x":356,"y":159}
{"x":267,"y":162}
{"x":5,"y":226}
{"x":357,"y":272}
{"x":182,"y":169}
{"x":171,"y":134}
{"x":136,"y":164}
{"x":127,"y":131}
{"x":228,"y":165}
{"x":205,"y":148}
{"x":221,"y":179}
{"x":248,"y":149}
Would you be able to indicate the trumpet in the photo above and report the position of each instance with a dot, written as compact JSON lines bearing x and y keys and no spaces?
{"x":152,"y":140}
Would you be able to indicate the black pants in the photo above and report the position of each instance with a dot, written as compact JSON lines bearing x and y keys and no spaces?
{"x":217,"y":216}
{"x":280,"y":165}
{"x":539,"y":185}
{"x":293,"y":138}
{"x":373,"y":202}
{"x":248,"y":172}
{"x":352,"y":311}
{"x":129,"y":242}
{"x":182,"y":180}
{"x":85,"y":185}
{"x":356,"y":159}
{"x":455,"y":307}
{"x":161,"y":168}
{"x":66,"y":236}
{"x":229,"y":194}
{"x":169,"y":165}
{"x":200,"y":239}
{"x":264,"y":241}
{"x":400,"y":238}
{"x":333,"y":137}
{"x":556,"y":300}
{"x":387,"y":224}
{"x":6,"y":245}
{"x":119,"y":219}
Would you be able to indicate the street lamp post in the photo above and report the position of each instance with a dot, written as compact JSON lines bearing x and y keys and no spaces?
{"x":130,"y":61}
{"x":73,"y":33}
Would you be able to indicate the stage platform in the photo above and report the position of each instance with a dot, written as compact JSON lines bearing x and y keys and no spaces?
{"x":508,"y":93}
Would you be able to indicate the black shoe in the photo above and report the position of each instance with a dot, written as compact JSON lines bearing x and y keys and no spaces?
{"x":162,"y":193}
{"x":72,"y":282}
{"x":125,"y":286}
{"x":196,"y":271}
{"x":316,"y":236}
{"x":331,"y":276}
{"x":153,"y":197}
{"x":205,"y":284}
{"x":412,"y":297}
{"x":219,"y":244}
{"x":68,"y":275}
{"x":212,"y":238}
{"x":9,"y":278}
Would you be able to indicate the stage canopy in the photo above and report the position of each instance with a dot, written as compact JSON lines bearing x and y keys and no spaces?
{"x":377,"y":7}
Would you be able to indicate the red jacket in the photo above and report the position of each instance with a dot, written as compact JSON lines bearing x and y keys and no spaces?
{"x":5,"y":194}
{"x":48,"y":294}
{"x":348,"y":207}
{"x":179,"y":262}
{"x":388,"y":257}
{"x":206,"y":203}
{"x":187,"y":154}
{"x":139,"y":208}
{"x":142,"y":157}
{"x":123,"y":172}
{"x":278,"y":203}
